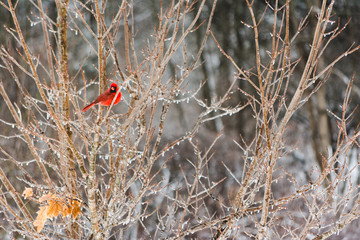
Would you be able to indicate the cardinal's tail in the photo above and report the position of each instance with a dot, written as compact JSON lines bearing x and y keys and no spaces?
{"x":88,"y":107}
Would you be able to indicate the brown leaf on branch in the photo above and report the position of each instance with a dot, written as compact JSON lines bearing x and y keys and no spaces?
{"x":41,"y":218}
{"x":28,"y":192}
{"x":75,"y":208}
{"x":56,"y":205}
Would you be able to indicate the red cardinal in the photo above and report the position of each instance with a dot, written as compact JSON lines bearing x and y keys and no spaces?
{"x":106,"y":97}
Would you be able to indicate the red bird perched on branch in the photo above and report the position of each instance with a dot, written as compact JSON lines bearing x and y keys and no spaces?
{"x":106,"y":98}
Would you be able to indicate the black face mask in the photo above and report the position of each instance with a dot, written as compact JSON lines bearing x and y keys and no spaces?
{"x":113,"y":89}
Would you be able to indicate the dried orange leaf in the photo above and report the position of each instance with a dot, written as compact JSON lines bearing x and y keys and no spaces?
{"x":55,"y":208}
{"x":41,"y":218}
{"x":28,"y":192}
{"x":66,"y":210}
{"x":76,"y":208}
{"x":73,"y":208}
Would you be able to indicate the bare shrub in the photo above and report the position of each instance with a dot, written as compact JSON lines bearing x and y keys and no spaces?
{"x":114,"y":173}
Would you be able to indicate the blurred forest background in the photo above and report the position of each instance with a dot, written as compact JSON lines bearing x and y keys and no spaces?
{"x":312,"y":132}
